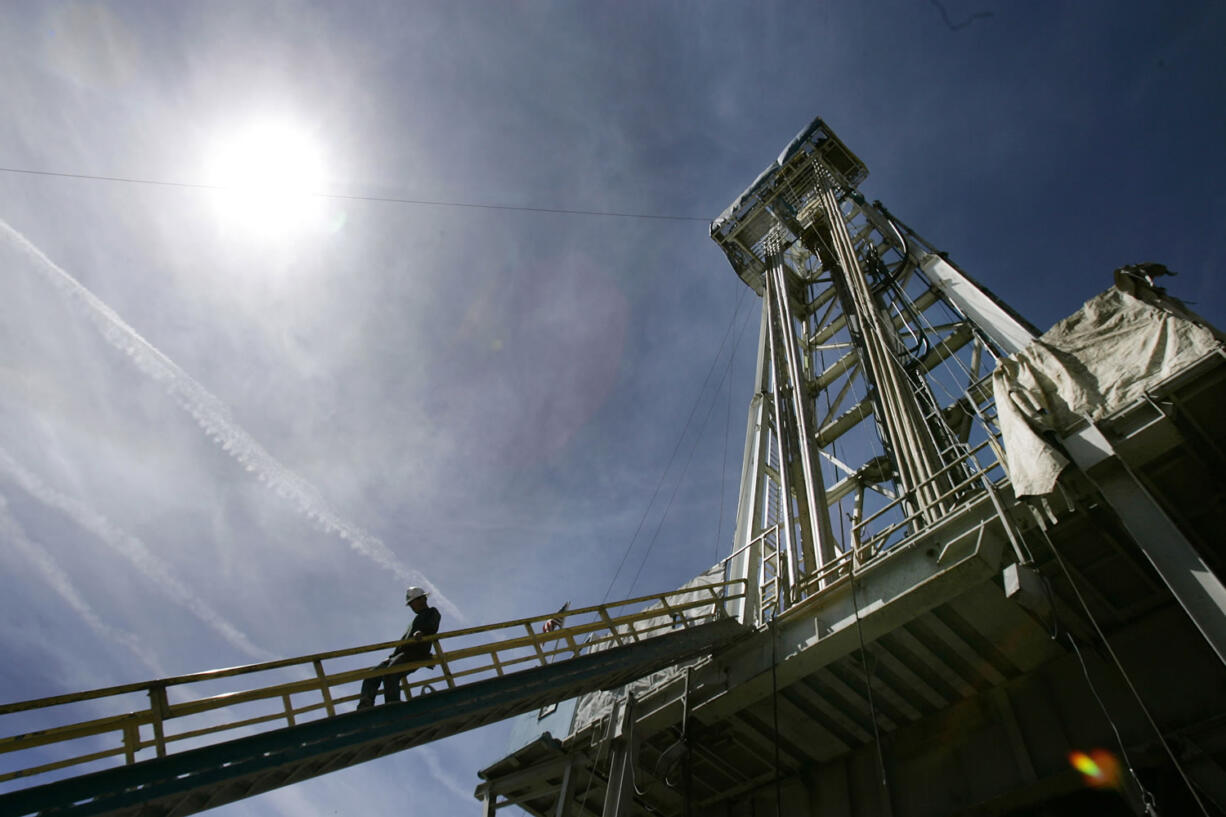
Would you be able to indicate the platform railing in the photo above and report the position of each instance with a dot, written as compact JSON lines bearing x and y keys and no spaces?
{"x":187,"y":711}
{"x":899,"y":520}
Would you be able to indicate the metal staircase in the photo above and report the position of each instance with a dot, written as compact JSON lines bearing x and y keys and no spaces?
{"x":485,"y":674}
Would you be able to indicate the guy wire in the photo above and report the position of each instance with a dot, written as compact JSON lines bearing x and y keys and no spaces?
{"x":1146,"y":796}
{"x":868,"y":686}
{"x":591,"y":778}
{"x":1119,"y":666}
{"x":672,"y":457}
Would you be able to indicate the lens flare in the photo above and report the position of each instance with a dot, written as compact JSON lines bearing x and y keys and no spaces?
{"x":1085,"y":764}
{"x":1100,"y":768}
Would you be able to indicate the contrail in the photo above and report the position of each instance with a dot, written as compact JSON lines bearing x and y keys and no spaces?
{"x":213,"y":417}
{"x":134,"y":550}
{"x":443,"y":775}
{"x":12,"y":532}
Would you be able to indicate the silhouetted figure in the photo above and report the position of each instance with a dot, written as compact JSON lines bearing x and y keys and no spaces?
{"x":425,"y":622}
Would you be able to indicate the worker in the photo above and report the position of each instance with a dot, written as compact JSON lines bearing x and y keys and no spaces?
{"x":425,"y":622}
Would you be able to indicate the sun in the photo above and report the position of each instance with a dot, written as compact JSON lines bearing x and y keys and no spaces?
{"x":268,"y":176}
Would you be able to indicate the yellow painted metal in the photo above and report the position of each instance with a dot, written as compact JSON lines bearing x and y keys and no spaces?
{"x":86,"y":733}
{"x":447,"y":675}
{"x":289,"y":709}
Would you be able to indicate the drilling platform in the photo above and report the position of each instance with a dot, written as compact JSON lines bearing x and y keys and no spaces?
{"x":983,"y":565}
{"x":977,"y":571}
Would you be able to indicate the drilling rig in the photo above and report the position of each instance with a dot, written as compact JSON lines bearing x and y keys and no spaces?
{"x":982,"y":564}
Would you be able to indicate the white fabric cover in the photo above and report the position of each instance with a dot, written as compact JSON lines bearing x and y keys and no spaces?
{"x":596,"y":705}
{"x":1099,"y":359}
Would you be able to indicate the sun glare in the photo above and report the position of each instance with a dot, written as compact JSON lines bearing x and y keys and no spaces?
{"x":266,"y":175}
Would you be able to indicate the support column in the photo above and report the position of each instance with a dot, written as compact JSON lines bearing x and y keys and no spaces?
{"x":619,"y":795}
{"x":564,"y":792}
{"x":746,"y":562}
{"x":798,"y":442}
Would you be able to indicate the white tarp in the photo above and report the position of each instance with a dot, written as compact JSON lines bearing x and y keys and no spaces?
{"x":1099,"y":359}
{"x":596,"y":705}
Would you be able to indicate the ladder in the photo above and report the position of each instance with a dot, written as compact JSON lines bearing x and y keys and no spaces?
{"x":215,"y":737}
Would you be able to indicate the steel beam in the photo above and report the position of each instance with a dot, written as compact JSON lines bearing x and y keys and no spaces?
{"x":1197,"y":588}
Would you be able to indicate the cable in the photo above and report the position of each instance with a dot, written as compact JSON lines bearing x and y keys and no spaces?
{"x":892,"y":282}
{"x":868,"y":685}
{"x":676,"y":448}
{"x":607,"y":740}
{"x":681,"y":478}
{"x":344,"y":197}
{"x":723,"y":478}
{"x":1146,"y":796}
{"x":1119,"y":666}
{"x":978,"y":15}
{"x":723,"y":472}
{"x":727,"y":378}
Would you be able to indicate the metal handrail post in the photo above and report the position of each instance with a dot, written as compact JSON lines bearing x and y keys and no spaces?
{"x":324,"y":688}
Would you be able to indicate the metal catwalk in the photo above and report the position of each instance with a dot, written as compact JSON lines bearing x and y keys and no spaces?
{"x":480,"y":684}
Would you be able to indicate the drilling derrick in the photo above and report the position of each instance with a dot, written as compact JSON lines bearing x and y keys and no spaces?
{"x":980,"y":567}
{"x":855,"y":326}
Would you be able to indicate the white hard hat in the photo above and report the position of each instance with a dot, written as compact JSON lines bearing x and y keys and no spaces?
{"x":414,"y":593}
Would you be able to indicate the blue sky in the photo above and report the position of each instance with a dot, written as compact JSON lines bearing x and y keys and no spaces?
{"x":487,"y":399}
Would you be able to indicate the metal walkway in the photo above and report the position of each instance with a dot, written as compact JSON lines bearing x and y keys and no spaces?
{"x":477,"y":684}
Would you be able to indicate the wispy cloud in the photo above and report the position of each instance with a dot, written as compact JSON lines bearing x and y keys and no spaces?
{"x":443,"y":775}
{"x":134,"y":550}
{"x":215,"y":419}
{"x":12,"y":532}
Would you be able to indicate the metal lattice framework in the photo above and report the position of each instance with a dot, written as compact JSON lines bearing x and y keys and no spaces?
{"x":862,"y":320}
{"x":903,"y":600}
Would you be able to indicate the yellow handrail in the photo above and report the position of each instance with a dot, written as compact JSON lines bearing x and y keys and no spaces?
{"x":470,"y":655}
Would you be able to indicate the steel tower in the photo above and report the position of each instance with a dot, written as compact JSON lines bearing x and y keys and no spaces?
{"x":967,"y":550}
{"x":868,"y":420}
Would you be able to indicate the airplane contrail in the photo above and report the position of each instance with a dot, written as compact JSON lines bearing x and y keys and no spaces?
{"x":443,"y":775}
{"x":134,"y":550}
{"x":214,"y":418}
{"x":12,"y":532}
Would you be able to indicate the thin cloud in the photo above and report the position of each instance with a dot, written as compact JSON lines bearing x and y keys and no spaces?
{"x":12,"y":532}
{"x":134,"y":550}
{"x":442,"y":775}
{"x":214,"y":418}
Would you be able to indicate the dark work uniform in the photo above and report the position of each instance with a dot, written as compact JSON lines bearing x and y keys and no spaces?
{"x":424,"y":623}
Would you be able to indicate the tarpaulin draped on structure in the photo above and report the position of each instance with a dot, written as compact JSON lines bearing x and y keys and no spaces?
{"x":1099,"y":359}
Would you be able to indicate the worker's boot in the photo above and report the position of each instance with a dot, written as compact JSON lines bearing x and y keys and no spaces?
{"x":365,"y":703}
